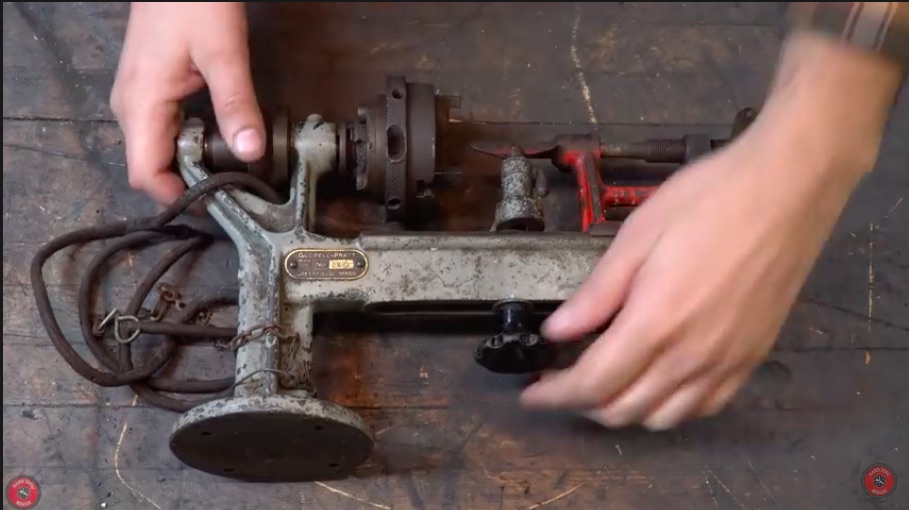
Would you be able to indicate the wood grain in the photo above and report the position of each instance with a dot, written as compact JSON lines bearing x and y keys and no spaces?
{"x":834,"y":399}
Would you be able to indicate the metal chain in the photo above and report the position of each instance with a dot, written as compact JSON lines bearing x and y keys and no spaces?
{"x":307,"y":378}
{"x":167,"y":294}
{"x":145,"y":376}
{"x":116,"y":318}
{"x":167,"y":297}
{"x":100,"y":327}
{"x":254,"y":333}
{"x":119,"y":319}
{"x":276,"y":371}
{"x":260,"y":331}
{"x":203,"y":318}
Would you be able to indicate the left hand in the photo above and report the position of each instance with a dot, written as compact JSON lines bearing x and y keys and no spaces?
{"x":172,"y":50}
{"x":699,"y":281}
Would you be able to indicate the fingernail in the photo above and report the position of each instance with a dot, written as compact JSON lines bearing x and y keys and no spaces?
{"x":658,"y":425}
{"x":248,"y":143}
{"x":597,"y":417}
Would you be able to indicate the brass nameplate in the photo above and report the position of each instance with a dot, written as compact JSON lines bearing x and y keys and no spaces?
{"x":341,"y":264}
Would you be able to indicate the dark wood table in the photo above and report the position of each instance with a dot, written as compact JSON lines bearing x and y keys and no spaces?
{"x":834,"y":400}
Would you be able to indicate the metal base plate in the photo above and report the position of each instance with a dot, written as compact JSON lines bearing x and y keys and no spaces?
{"x":272,"y":439}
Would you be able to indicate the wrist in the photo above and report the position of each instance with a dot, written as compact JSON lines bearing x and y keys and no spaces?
{"x":830,"y":103}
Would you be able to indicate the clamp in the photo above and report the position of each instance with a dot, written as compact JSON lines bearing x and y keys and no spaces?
{"x":604,"y":203}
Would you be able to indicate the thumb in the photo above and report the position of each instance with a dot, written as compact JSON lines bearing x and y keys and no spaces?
{"x":225,"y":66}
{"x":602,"y":294}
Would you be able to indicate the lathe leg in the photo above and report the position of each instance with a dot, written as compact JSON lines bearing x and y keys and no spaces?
{"x":270,"y":433}
{"x":272,"y":438}
{"x":273,"y":428}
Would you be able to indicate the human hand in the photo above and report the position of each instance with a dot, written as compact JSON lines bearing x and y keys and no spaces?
{"x":171,"y":51}
{"x":701,"y":278}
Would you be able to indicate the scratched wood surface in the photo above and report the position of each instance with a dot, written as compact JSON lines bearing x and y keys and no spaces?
{"x":450,"y":436}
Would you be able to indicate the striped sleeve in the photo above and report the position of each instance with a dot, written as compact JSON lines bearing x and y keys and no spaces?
{"x":880,"y":27}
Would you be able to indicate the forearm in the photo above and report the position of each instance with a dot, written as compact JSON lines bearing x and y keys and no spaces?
{"x":832,"y":93}
{"x":836,"y":98}
{"x":877,"y":27}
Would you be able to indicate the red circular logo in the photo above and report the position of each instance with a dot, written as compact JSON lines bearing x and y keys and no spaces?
{"x":879,"y":481}
{"x":23,"y":492}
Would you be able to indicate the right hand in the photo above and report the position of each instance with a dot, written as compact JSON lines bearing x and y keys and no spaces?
{"x":171,"y":51}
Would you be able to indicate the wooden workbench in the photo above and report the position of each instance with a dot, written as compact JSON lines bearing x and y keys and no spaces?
{"x":835,"y":399}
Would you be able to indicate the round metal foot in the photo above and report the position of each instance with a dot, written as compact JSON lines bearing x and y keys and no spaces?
{"x":271,"y":439}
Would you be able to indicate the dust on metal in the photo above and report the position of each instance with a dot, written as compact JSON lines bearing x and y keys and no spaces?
{"x":266,"y":422}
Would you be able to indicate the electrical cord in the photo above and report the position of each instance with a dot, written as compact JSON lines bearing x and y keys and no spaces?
{"x":119,"y":368}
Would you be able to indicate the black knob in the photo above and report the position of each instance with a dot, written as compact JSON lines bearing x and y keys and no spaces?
{"x":517,"y":349}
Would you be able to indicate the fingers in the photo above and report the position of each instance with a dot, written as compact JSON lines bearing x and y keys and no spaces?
{"x":604,"y":291}
{"x":169,"y":52}
{"x":701,"y":397}
{"x":152,"y":76}
{"x":715,"y":402}
{"x":630,"y":343}
{"x":150,"y":150}
{"x":605,"y":369}
{"x":223,"y":59}
{"x":644,"y":367}
{"x":674,"y":368}
{"x":678,"y":407}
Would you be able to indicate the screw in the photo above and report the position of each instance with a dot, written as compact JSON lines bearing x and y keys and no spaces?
{"x":292,"y":264}
{"x":361,"y":263}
